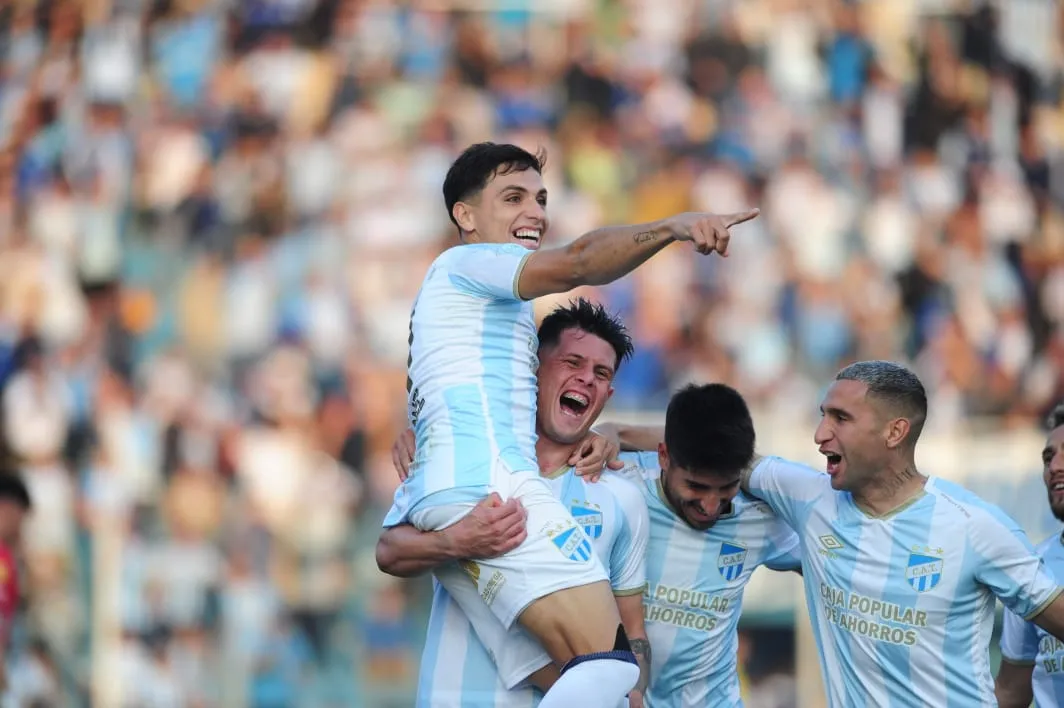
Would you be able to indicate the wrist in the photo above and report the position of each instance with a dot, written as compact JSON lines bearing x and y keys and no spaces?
{"x":448,"y":544}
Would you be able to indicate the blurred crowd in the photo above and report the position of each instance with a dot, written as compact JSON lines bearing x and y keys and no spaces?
{"x":215,"y":214}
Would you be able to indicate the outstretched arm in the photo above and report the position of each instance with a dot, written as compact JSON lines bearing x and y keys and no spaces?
{"x":633,"y":438}
{"x":604,"y":255}
{"x":491,"y":529}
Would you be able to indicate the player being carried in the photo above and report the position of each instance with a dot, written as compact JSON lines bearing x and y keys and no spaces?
{"x":580,"y":348}
{"x":1032,"y":660}
{"x":472,"y":403}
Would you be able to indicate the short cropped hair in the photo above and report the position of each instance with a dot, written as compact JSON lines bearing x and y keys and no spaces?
{"x":479,"y":163}
{"x":12,"y":488}
{"x":894,"y":385}
{"x":708,"y":429}
{"x":588,"y":317}
{"x":1056,"y":417}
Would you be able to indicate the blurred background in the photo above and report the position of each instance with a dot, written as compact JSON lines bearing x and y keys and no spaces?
{"x":215,"y":214}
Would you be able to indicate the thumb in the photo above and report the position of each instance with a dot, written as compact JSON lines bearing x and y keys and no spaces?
{"x":731,"y":220}
{"x":493,"y":499}
{"x":615,"y":465}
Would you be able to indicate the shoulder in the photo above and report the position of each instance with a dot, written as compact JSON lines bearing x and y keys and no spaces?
{"x":969,"y":508}
{"x":1052,"y":546}
{"x":639,"y":465}
{"x":747,"y":506}
{"x":486,"y":252}
{"x":623,"y":489}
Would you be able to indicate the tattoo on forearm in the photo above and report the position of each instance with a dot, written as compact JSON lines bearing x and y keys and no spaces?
{"x":641,"y":649}
{"x":645,"y":236}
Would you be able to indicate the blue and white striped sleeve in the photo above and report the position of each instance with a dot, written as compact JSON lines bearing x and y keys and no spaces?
{"x":627,"y":562}
{"x":487,"y":270}
{"x":1010,"y":567}
{"x":788,"y":487}
{"x":786,"y":553}
{"x":1019,"y":640}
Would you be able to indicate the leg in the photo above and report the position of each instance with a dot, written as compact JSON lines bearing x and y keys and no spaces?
{"x":556,"y":588}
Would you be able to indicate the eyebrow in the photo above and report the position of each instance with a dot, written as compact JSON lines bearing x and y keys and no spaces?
{"x":519,"y":188}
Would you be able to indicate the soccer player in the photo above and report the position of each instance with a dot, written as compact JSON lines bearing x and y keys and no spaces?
{"x":14,"y":505}
{"x":1032,"y":660}
{"x":472,"y":400}
{"x":900,"y":569}
{"x":706,"y":540}
{"x":580,"y":347}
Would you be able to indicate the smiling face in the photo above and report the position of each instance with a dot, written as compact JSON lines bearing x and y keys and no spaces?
{"x":1053,"y":470}
{"x":512,"y":208}
{"x":575,"y":381}
{"x":700,"y":497}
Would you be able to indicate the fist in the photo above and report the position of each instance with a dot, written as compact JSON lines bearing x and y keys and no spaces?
{"x":708,"y":232}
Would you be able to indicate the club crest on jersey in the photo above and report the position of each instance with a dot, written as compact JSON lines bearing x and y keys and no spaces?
{"x":730,"y":561}
{"x":568,"y":538}
{"x":924,"y":570}
{"x":589,"y":516}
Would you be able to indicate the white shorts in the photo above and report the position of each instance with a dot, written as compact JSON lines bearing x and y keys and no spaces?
{"x":493,"y":593}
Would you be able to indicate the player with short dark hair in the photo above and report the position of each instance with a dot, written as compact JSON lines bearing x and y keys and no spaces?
{"x":472,"y":404}
{"x":706,"y":540}
{"x":1032,"y":659}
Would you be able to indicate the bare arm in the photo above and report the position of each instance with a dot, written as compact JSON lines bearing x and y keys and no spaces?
{"x":604,"y":255}
{"x":638,"y":438}
{"x":491,"y":529}
{"x":631,"y":610}
{"x":1051,"y":619}
{"x":1012,"y":688}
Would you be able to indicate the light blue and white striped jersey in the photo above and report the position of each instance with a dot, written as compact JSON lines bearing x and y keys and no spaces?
{"x":903,"y":605}
{"x":1026,"y":643}
{"x":471,"y":378}
{"x":695,"y":582}
{"x":457,"y":670}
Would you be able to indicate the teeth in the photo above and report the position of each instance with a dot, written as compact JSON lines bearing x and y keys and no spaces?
{"x":527,"y":233}
{"x":582,"y":400}
{"x":1058,"y":486}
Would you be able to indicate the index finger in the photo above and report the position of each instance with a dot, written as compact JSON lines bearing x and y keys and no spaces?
{"x":731,"y":220}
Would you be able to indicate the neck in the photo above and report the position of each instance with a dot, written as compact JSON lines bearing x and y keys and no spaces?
{"x":552,"y":456}
{"x":894,"y":487}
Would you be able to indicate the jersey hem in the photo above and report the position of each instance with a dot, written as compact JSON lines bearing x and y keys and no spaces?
{"x":543,"y":592}
{"x":1042,"y":608}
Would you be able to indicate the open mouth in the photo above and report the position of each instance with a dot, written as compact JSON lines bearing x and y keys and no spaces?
{"x":529,"y":237}
{"x":1057,"y":488}
{"x":833,"y":462}
{"x":574,"y":404}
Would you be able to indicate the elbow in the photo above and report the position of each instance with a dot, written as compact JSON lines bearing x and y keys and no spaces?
{"x":387,"y":562}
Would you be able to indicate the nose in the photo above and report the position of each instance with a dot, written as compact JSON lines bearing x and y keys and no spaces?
{"x":822,"y":433}
{"x":537,"y":211}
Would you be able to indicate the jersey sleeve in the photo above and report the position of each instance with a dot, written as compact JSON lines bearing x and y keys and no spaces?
{"x":788,"y":487}
{"x":637,"y":465}
{"x":627,"y":562}
{"x":1019,"y":640}
{"x":488,"y":270}
{"x":1010,"y":567}
{"x":785,"y":550}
